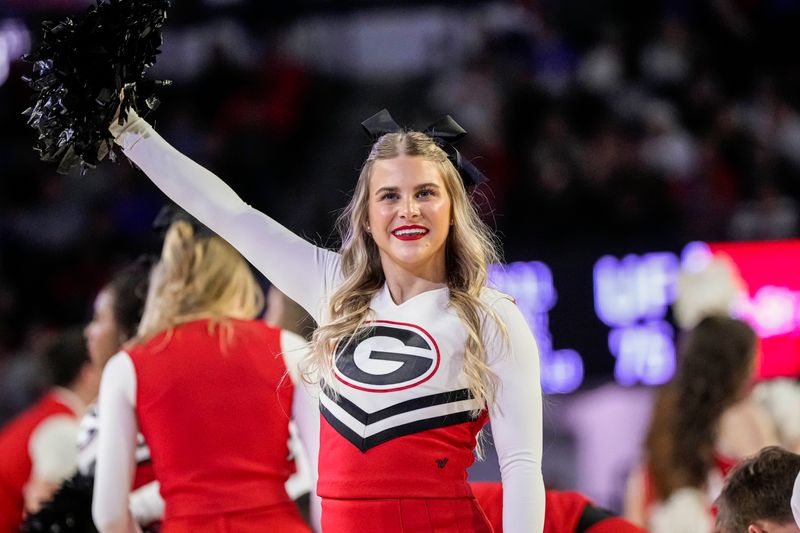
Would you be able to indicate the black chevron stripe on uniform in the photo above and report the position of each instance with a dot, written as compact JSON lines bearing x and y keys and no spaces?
{"x":365,"y":443}
{"x":403,"y":407}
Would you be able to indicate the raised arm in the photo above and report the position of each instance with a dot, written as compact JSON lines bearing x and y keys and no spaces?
{"x":301,"y":270}
{"x":517,"y":421}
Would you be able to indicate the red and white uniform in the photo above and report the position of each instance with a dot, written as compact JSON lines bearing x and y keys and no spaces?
{"x":400,"y":425}
{"x":214,"y":405}
{"x":39,"y":442}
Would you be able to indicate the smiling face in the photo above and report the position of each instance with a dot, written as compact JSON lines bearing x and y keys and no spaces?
{"x":409,"y":215}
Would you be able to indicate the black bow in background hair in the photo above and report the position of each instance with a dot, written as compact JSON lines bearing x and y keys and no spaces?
{"x":444,"y":131}
{"x":171,"y":213}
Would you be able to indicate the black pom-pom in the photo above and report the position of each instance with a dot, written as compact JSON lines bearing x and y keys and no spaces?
{"x":79,"y":69}
{"x":70,"y":510}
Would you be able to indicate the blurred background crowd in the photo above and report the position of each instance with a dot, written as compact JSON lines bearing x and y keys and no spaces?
{"x":602,"y":125}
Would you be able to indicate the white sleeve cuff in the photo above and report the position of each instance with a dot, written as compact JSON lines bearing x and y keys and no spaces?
{"x":146,"y":503}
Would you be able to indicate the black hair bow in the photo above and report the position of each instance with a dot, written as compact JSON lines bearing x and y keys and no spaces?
{"x":170,"y":214}
{"x":444,"y":132}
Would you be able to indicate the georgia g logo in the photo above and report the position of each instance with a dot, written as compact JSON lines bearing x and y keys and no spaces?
{"x":386,"y":356}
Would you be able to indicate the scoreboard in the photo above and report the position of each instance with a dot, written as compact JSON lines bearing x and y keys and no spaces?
{"x":609,"y":317}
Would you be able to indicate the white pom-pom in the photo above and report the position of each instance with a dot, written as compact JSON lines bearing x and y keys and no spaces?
{"x":685,"y":511}
{"x":781,"y":398}
{"x":711,"y":291}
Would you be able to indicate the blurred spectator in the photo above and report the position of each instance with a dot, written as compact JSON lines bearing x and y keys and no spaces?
{"x":55,"y":221}
{"x":22,"y":376}
{"x":667,"y":148}
{"x":117,"y":310}
{"x":602,"y":68}
{"x":554,"y":61}
{"x":666,"y":61}
{"x":774,"y":123}
{"x":558,"y":99}
{"x":703,"y":422}
{"x":771,"y":215}
{"x":37,"y":448}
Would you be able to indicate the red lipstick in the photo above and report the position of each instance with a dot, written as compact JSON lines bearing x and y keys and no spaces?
{"x":410,"y":233}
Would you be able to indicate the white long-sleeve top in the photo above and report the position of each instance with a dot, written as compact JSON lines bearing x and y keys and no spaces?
{"x":363,"y":414}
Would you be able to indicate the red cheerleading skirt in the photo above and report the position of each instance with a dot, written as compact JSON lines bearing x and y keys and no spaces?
{"x":284,"y":518}
{"x":407,"y":515}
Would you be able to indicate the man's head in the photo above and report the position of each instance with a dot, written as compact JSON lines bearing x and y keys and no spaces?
{"x":756,"y":496}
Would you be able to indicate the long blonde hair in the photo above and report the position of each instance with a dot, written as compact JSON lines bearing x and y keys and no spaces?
{"x":198,"y":277}
{"x":469,"y":248}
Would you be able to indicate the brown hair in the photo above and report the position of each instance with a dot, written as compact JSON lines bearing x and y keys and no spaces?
{"x":715,"y":363}
{"x":759,"y":488}
{"x":129,"y":288}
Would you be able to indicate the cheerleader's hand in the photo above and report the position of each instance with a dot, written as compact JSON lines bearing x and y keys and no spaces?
{"x":115,"y":127}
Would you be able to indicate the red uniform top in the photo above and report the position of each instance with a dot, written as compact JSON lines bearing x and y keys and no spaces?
{"x":403,"y":423}
{"x":15,"y":460}
{"x":436,"y":463}
{"x":565,"y":512}
{"x":216,"y":426}
{"x":143,"y":475}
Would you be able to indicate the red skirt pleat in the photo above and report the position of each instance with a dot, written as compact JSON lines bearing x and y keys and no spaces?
{"x":407,"y":515}
{"x":284,"y":518}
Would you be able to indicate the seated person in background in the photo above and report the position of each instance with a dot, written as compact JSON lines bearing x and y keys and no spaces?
{"x":756,"y":496}
{"x":564,"y":512}
{"x":37,"y":448}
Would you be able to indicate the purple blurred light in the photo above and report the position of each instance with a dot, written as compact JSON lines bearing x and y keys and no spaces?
{"x":15,"y":41}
